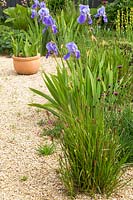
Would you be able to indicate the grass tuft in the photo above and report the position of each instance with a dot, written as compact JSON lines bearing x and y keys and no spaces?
{"x":46,"y":149}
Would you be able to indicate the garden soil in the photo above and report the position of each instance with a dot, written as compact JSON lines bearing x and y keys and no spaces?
{"x":24,"y":174}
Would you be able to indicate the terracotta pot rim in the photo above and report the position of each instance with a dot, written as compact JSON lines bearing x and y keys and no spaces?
{"x":22,"y":59}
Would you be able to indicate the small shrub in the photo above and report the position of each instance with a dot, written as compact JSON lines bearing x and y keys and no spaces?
{"x":18,"y":17}
{"x":6,"y":34}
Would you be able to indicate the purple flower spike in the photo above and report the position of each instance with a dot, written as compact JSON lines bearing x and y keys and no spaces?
{"x":54,"y":29}
{"x":36,"y":4}
{"x":42,"y":4}
{"x":33,"y":14}
{"x":84,"y":14}
{"x":81,"y":19}
{"x":43,"y":12}
{"x":77,"y":54}
{"x":101,"y":13}
{"x":72,"y":49}
{"x":52,"y":49}
{"x":40,"y":10}
{"x":49,"y":21}
{"x":84,"y":9}
{"x":67,"y":56}
{"x":90,"y":21}
{"x":105,"y":19}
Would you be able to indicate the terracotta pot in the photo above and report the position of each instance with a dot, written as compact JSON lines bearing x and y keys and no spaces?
{"x":26,"y":65}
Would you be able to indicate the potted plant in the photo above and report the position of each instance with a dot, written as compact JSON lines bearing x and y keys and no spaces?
{"x":26,"y":50}
{"x":28,"y":45}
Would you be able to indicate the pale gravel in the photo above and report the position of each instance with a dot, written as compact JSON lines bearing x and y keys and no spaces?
{"x":19,"y":139}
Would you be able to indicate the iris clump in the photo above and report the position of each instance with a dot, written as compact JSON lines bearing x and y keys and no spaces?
{"x":40,"y":10}
{"x":91,"y":160}
{"x":101,"y":13}
{"x":84,"y":14}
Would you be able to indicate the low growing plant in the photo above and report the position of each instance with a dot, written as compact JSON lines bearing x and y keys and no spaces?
{"x":46,"y":149}
{"x":17,"y":17}
{"x":6,"y":34}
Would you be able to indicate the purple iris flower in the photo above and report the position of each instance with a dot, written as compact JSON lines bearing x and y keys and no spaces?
{"x":43,"y":12}
{"x":42,"y":4}
{"x":36,"y":4}
{"x":84,"y":14}
{"x":105,"y":19}
{"x":72,"y":49}
{"x":54,"y":29}
{"x":49,"y":21}
{"x":52,"y":49}
{"x":90,"y":21}
{"x":101,"y":13}
{"x":33,"y":13}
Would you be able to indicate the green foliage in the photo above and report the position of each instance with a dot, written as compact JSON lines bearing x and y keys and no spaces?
{"x":65,"y":90}
{"x":126,"y":49}
{"x":91,"y":156}
{"x":55,"y":131}
{"x":46,"y":149}
{"x":46,"y":37}
{"x":30,"y":44}
{"x":112,"y":9}
{"x":68,"y":27}
{"x":91,"y":159}
{"x":57,"y":5}
{"x":121,"y":122}
{"x":17,"y":17}
{"x":6,"y":33}
{"x":124,"y":23}
{"x":2,"y":18}
{"x":105,"y":63}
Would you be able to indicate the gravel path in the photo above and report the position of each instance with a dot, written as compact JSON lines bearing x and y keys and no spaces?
{"x":19,"y":139}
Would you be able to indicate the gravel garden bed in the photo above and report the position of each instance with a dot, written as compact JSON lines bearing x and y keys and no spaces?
{"x":24,"y":175}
